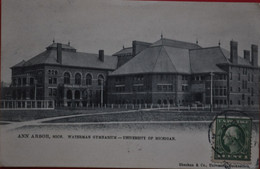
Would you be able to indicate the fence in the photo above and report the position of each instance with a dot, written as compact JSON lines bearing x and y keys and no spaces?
{"x":26,"y":104}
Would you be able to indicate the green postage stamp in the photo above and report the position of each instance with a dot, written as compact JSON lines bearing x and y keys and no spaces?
{"x":232,"y":141}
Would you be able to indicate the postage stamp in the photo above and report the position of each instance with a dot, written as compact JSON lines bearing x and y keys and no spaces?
{"x":232,"y":141}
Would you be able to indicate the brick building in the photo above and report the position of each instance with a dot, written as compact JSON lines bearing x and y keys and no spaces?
{"x":181,"y":73}
{"x":164,"y":72}
{"x":62,"y":74}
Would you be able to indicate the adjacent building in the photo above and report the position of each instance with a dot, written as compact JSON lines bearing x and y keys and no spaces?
{"x":60,"y":73}
{"x":182,"y":73}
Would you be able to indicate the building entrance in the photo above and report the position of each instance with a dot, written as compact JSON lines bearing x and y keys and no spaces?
{"x":198,"y":97}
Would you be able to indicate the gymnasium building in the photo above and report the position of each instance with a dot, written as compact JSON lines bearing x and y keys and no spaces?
{"x":164,"y":72}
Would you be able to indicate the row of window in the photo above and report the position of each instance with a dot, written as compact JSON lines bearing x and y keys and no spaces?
{"x":239,"y":90}
{"x":139,"y":88}
{"x":184,"y":87}
{"x":23,"y":81}
{"x":249,"y":77}
{"x":249,"y":102}
{"x":52,"y":91}
{"x":52,"y":72}
{"x":67,"y":79}
{"x":120,"y":89}
{"x":220,"y":91}
{"x":165,"y":88}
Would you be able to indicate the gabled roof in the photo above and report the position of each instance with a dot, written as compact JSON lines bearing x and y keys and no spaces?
{"x":157,"y":59}
{"x":176,"y":43}
{"x":71,"y":58}
{"x":124,"y":51}
{"x":205,"y":60}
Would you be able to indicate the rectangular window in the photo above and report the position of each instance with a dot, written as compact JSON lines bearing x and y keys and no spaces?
{"x":164,"y":88}
{"x":24,"y":81}
{"x":221,"y":91}
{"x":54,"y":92}
{"x":31,"y":81}
{"x":159,"y":87}
{"x":50,"y":80}
{"x":216,"y":91}
{"x":225,"y":91}
{"x":50,"y":91}
{"x":14,"y":82}
{"x":54,"y":80}
{"x":230,"y":75}
{"x":170,"y":88}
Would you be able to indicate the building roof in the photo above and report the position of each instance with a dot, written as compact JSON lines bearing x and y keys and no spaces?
{"x":20,"y":64}
{"x":63,"y":46}
{"x":124,"y":51}
{"x":241,"y":60}
{"x":205,"y":60}
{"x":157,"y":59}
{"x":176,"y":43}
{"x":71,"y":58}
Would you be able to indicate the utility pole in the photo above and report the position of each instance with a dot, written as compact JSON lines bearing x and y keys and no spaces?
{"x":211,"y":92}
{"x":101,"y":101}
{"x":35,"y":89}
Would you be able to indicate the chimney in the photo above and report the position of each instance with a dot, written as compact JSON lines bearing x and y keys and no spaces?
{"x":101,"y":55}
{"x":233,"y":52}
{"x":254,"y":53}
{"x":247,"y":55}
{"x":59,"y":53}
{"x":139,"y":46}
{"x":134,"y":48}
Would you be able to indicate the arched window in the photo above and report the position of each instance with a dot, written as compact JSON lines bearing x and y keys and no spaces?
{"x":69,"y":94}
{"x":77,"y":94}
{"x":159,"y":102}
{"x":77,"y":79}
{"x":66,"y":78}
{"x":88,"y":80}
{"x":101,"y":80}
{"x":165,"y":101}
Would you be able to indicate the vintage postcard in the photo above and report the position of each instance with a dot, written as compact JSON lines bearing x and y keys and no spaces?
{"x":129,"y":84}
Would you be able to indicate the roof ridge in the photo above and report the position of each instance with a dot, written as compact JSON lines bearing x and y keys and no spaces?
{"x":206,"y":48}
{"x":170,"y":59}
{"x":180,"y":41}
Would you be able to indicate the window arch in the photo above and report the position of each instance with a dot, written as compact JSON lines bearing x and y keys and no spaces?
{"x":69,"y":94}
{"x":78,"y":79}
{"x":77,"y":94}
{"x":66,"y":78}
{"x":88,"y":79}
{"x":159,"y":101}
{"x":101,"y":79}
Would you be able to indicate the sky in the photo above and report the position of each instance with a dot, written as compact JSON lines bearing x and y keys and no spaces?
{"x":29,"y":26}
